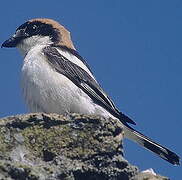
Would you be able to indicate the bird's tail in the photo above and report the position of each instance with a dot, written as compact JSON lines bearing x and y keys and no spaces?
{"x":149,"y":144}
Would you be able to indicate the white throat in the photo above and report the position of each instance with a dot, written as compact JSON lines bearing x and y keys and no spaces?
{"x":27,"y":44}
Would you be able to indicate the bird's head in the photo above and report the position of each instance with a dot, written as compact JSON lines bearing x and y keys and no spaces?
{"x":39,"y":31}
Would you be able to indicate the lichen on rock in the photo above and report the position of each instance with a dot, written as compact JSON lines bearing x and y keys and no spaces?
{"x":50,"y":146}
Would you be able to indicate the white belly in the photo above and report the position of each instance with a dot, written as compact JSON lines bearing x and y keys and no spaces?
{"x":45,"y":90}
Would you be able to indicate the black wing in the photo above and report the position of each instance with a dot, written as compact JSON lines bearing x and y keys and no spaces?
{"x":83,"y":80}
{"x":75,"y":53}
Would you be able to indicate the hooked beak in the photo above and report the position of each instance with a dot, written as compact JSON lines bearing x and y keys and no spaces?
{"x":15,"y":39}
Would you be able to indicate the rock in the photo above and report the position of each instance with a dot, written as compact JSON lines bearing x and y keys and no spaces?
{"x":54,"y":147}
{"x":149,"y":176}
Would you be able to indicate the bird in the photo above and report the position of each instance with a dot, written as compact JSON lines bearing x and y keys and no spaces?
{"x":57,"y":79}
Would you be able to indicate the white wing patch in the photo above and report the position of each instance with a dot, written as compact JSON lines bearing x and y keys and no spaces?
{"x":75,"y":60}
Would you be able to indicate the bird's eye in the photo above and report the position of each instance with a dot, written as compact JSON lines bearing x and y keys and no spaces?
{"x":34,"y":28}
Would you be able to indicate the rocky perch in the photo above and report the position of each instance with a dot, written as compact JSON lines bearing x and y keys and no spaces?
{"x":55,"y":147}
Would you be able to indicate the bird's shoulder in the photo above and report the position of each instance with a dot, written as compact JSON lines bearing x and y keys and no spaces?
{"x":82,"y":77}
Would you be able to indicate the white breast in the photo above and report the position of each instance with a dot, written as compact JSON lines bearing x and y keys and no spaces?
{"x":45,"y":90}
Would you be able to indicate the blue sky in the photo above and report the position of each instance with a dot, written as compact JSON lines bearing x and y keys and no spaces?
{"x":134,"y":50}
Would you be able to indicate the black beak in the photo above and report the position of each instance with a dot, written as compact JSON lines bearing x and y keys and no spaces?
{"x":11,"y":42}
{"x":15,"y":39}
